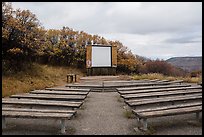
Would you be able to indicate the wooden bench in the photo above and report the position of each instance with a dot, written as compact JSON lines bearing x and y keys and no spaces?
{"x":39,"y":110}
{"x":71,"y":78}
{"x":160,"y":94}
{"x":151,"y":84}
{"x":158,"y":101}
{"x":175,"y":81}
{"x":123,"y":90}
{"x":119,"y":86}
{"x":68,"y":89}
{"x":153,"y":80}
{"x":132,"y":81}
{"x":108,"y":85}
{"x":139,"y":102}
{"x":62,"y":115}
{"x":55,"y":92}
{"x":34,"y":103}
{"x":168,"y":82}
{"x":45,"y":104}
{"x":86,"y":86}
{"x":50,"y":97}
{"x":162,"y":81}
{"x":143,"y":115}
{"x":159,"y":90}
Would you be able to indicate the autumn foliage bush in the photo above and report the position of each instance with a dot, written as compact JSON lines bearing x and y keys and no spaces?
{"x":160,"y":66}
{"x":196,"y":73}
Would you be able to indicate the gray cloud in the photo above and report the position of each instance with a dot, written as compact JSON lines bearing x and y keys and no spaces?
{"x":151,"y":29}
{"x":188,"y":38}
{"x":181,"y":40}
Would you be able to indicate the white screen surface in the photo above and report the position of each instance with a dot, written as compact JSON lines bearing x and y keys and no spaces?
{"x":101,"y":56}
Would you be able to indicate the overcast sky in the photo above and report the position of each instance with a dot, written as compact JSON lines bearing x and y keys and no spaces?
{"x":150,"y":29}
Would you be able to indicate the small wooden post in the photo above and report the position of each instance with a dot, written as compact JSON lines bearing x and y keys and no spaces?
{"x":75,"y":77}
{"x":67,"y":78}
{"x":70,"y":78}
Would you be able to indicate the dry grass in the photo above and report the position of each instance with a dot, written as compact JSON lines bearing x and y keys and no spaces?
{"x":162,"y":77}
{"x":39,"y":77}
{"x":128,"y":114}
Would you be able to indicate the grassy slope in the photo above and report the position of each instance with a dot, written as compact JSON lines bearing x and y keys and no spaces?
{"x":162,"y":77}
{"x":38,"y":77}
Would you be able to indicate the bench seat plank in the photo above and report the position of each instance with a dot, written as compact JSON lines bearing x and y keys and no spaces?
{"x":165,"y":80}
{"x":125,"y":81}
{"x":124,"y":90}
{"x":168,"y":112}
{"x":14,"y":101}
{"x":157,"y":90}
{"x":158,"y":94}
{"x":175,"y":81}
{"x":68,"y":89}
{"x":162,"y":100}
{"x":22,"y":114}
{"x":167,"y":107}
{"x":60,"y":92}
{"x":38,"y":110}
{"x":119,"y":86}
{"x":50,"y":96}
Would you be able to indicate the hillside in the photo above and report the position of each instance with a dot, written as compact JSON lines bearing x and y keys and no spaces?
{"x":37,"y":76}
{"x":187,"y":63}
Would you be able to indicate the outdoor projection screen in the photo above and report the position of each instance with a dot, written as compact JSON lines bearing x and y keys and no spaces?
{"x":101,"y":56}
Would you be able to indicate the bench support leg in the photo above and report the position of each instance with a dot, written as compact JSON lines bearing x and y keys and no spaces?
{"x":197,"y":115}
{"x":144,"y":124}
{"x":3,"y":122}
{"x":62,"y":126}
{"x":103,"y":86}
{"x":139,"y":122}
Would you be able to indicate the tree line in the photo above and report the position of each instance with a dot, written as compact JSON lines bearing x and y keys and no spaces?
{"x":25,"y":40}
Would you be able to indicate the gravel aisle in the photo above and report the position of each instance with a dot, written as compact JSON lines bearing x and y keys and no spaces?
{"x":102,"y":114}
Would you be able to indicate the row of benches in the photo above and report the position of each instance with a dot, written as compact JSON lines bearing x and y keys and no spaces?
{"x":157,"y":101}
{"x":52,"y":103}
{"x":111,"y":86}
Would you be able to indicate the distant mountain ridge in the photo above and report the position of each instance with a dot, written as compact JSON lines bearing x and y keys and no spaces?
{"x":187,"y":63}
